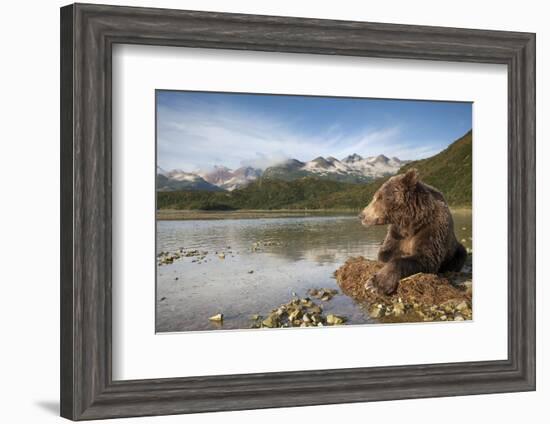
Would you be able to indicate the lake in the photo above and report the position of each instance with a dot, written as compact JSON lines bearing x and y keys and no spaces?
{"x":252,"y":265}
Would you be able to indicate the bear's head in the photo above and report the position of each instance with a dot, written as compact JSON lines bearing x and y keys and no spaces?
{"x":392,"y":201}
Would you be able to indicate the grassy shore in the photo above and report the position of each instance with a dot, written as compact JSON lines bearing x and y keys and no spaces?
{"x":173,"y":214}
{"x":182,"y":215}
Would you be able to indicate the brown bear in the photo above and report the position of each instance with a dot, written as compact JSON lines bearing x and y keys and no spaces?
{"x":420,"y":235}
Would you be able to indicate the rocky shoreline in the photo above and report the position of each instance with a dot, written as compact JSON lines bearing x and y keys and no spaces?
{"x":420,"y":297}
{"x":301,"y":312}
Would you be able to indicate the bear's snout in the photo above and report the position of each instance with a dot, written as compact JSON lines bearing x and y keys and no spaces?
{"x":372,"y":215}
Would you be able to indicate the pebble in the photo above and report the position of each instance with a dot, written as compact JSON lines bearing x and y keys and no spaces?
{"x":335,"y":319}
{"x":217,"y":317}
{"x":324,"y":294}
{"x":377,"y":311}
{"x":166,"y":258}
{"x":271,"y":322}
{"x":299,"y":312}
{"x":462,"y":306}
{"x":398,"y":309}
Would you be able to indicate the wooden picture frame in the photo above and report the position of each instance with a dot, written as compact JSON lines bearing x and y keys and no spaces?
{"x":88,"y":33}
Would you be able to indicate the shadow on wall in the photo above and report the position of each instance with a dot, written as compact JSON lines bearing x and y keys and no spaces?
{"x":51,"y":406}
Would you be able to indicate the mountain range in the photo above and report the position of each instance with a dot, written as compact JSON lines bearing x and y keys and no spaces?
{"x":178,"y":180}
{"x":352,"y":169}
{"x":449,"y":171}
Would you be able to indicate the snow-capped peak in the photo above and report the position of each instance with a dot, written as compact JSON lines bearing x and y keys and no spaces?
{"x":353,"y":168}
{"x":352,"y":158}
{"x":179,"y":175}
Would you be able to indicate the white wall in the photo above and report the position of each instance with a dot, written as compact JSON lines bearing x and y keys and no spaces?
{"x":30,"y":217}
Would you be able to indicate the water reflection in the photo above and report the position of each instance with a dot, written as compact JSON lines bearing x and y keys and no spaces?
{"x":265,"y":260}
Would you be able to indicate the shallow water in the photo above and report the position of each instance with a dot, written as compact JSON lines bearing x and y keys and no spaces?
{"x":266,"y":260}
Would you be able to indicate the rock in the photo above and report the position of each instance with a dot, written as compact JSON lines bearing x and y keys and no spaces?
{"x":166,"y":258}
{"x":272,"y":321}
{"x":255,"y":317}
{"x":335,"y":319}
{"x":448,"y":309}
{"x":459,"y":317}
{"x":377,"y":311}
{"x":294,"y":302}
{"x":296,"y":313}
{"x":315,"y":309}
{"x":307,"y":302}
{"x":398,"y":309}
{"x":251,"y":271}
{"x":299,"y":312}
{"x":162,"y":299}
{"x":217,"y":318}
{"x":443,"y":317}
{"x":313,"y":292}
{"x":221,"y":256}
{"x":462,"y":306}
{"x":323,"y":294}
{"x":280,"y":311}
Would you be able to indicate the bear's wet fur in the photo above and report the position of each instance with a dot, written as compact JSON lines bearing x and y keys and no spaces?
{"x":420,"y":235}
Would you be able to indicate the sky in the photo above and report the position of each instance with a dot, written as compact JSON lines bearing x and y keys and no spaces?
{"x":199,"y":130}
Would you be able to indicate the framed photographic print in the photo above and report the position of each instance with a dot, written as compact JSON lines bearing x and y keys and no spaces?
{"x":277,"y":232}
{"x":268,"y":211}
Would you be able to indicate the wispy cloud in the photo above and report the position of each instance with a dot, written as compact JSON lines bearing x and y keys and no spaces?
{"x":197,"y":135}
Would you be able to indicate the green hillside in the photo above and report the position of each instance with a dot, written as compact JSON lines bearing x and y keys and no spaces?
{"x":450,"y":171}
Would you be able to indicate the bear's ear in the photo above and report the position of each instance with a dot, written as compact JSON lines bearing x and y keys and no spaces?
{"x":410,"y":178}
